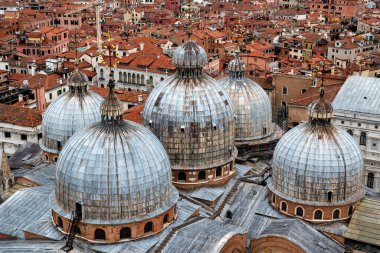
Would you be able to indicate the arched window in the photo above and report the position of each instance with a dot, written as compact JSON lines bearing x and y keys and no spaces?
{"x":142,"y":78}
{"x":120,"y":76}
{"x":148,"y":227}
{"x":162,"y":79}
{"x":76,"y":230}
{"x":125,"y":233}
{"x":283,"y":103}
{"x":181,"y":176}
{"x":55,"y":159}
{"x":303,"y":91}
{"x":299,"y":211}
{"x":101,"y":73}
{"x":284,"y":206}
{"x":202,"y":175}
{"x":219,"y":172}
{"x":46,"y":158}
{"x":274,"y":199}
{"x":100,"y":234}
{"x":166,"y":218}
{"x":284,"y":90}
{"x":229,"y":214}
{"x":350,"y":210}
{"x":336,"y":214}
{"x":318,"y":215}
{"x":60,"y":222}
{"x":350,"y":132}
{"x":125,"y":77}
{"x":329,"y":196}
{"x":363,"y":138}
{"x":370,"y":180}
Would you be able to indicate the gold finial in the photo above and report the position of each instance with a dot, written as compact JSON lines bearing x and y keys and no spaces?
{"x":76,"y":52}
{"x":322,"y":90}
{"x":112,"y":63}
{"x":189,"y":22}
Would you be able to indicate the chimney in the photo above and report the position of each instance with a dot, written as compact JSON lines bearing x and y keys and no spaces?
{"x":142,"y":46}
{"x":139,"y":99}
{"x":40,"y":96}
{"x":332,"y":70}
{"x":20,"y":97}
{"x":34,"y":67}
{"x":60,"y":81}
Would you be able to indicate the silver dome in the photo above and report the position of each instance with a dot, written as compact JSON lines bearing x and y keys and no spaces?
{"x":313,"y":159}
{"x":236,"y":65}
{"x":66,"y":115}
{"x":189,"y":55}
{"x":119,"y":172}
{"x":193,"y":118}
{"x":77,"y":78}
{"x":251,"y":104}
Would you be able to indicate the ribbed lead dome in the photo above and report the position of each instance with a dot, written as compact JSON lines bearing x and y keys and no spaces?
{"x":73,"y":110}
{"x":318,"y":163}
{"x":118,"y":170}
{"x":191,"y":114}
{"x":251,"y":104}
{"x":189,"y":55}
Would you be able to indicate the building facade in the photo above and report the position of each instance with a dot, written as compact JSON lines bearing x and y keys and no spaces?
{"x":356,"y":110}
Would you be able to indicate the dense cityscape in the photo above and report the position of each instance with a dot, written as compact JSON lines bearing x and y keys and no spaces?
{"x":190,"y":126}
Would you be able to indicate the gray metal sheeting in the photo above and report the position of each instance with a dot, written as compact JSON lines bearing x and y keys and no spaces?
{"x":359,"y":94}
{"x":311,"y":241}
{"x":309,"y":161}
{"x":194,"y":120}
{"x":119,"y":172}
{"x":28,"y":210}
{"x":66,"y":115}
{"x":202,"y":236}
{"x":42,"y":175}
{"x":29,"y":154}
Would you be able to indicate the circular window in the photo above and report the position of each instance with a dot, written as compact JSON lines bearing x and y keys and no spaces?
{"x":359,"y":124}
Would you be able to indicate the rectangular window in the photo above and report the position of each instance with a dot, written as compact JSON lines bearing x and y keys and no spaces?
{"x":24,"y":137}
{"x":39,"y":136}
{"x":7,"y":134}
{"x":50,"y":96}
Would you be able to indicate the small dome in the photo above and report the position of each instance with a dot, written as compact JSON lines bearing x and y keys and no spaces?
{"x":236,"y":65}
{"x":120,"y":173}
{"x":311,"y":160}
{"x":320,"y":109}
{"x":189,"y":55}
{"x":73,"y":110}
{"x":77,"y":79}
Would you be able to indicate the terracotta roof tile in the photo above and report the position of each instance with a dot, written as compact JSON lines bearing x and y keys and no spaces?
{"x":20,"y":116}
{"x":134,"y":113}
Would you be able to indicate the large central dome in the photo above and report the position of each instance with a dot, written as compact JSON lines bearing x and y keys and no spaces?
{"x":119,"y":174}
{"x":193,"y":117}
{"x":70,"y":112}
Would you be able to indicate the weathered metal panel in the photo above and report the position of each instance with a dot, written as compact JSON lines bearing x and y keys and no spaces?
{"x":119,"y":172}
{"x":311,"y":160}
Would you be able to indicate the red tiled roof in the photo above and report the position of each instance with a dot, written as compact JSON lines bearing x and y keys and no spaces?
{"x":134,"y":113}
{"x":313,"y":94}
{"x":20,"y":116}
{"x":123,"y":95}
